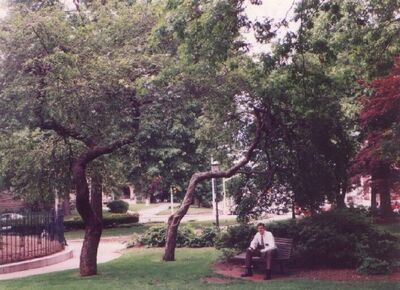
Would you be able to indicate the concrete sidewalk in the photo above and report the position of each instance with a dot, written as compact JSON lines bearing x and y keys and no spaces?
{"x":108,"y":250}
{"x":148,"y":215}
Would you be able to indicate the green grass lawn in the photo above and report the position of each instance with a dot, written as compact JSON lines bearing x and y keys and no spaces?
{"x":143,"y":269}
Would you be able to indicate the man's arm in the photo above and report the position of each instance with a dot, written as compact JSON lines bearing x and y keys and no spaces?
{"x":254,"y":243}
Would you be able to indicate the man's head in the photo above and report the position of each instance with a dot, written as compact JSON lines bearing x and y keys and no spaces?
{"x":261,"y":228}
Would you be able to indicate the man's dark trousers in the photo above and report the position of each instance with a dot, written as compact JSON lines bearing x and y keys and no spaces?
{"x":266,"y":256}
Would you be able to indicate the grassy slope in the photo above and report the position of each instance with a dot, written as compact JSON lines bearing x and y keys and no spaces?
{"x":142,"y":269}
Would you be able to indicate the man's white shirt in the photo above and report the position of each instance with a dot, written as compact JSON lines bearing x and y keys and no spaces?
{"x":269,"y":241}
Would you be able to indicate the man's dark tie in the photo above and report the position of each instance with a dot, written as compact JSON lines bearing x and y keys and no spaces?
{"x":262,"y":242}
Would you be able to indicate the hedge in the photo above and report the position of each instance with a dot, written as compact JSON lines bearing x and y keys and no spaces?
{"x":109,"y":221}
{"x":118,"y":206}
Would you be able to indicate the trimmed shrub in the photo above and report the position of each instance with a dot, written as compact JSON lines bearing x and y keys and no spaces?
{"x":155,"y":237}
{"x":109,"y":221}
{"x":118,"y":206}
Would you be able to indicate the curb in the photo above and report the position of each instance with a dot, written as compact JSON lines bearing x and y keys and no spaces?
{"x":38,"y":262}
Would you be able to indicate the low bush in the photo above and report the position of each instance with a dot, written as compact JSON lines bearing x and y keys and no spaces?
{"x":118,"y":206}
{"x":341,"y":238}
{"x":155,"y":237}
{"x":206,"y":238}
{"x":236,"y":237}
{"x":109,"y":221}
{"x":374,"y":266}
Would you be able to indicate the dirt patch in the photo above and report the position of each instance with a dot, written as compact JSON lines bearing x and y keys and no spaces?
{"x":234,"y":271}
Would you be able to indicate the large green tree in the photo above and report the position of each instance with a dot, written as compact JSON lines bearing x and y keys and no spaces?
{"x":309,"y":81}
{"x":36,"y":165}
{"x":83,"y":76}
{"x":205,"y":36}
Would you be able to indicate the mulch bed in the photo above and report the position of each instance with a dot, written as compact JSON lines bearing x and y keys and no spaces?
{"x":234,"y":270}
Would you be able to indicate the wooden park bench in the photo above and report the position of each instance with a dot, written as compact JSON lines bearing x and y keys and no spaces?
{"x":284,"y":252}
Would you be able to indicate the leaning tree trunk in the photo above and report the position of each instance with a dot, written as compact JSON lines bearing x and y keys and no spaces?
{"x":93,"y":224}
{"x":175,"y":219}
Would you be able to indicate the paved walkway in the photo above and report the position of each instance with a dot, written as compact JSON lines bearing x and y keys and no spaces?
{"x":147,"y":215}
{"x":109,"y":249}
{"x":150,"y":214}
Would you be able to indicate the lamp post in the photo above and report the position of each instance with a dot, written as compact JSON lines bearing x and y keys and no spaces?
{"x":224,"y":207}
{"x":214,"y":168}
{"x":172,"y":191}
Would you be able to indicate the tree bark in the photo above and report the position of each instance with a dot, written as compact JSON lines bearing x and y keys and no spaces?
{"x":175,"y":219}
{"x":96,"y":194}
{"x":93,"y":225}
{"x":381,"y":182}
{"x":90,"y":215}
{"x":340,"y":197}
{"x":373,"y":195}
{"x":66,"y":204}
{"x":385,"y":204}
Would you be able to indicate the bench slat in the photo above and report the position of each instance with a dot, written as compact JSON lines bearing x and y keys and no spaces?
{"x":285,"y":240}
{"x":284,"y":246}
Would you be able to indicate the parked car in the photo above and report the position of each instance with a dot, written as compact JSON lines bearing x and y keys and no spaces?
{"x":11,"y":216}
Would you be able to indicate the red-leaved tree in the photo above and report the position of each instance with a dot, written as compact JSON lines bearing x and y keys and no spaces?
{"x":380,"y":122}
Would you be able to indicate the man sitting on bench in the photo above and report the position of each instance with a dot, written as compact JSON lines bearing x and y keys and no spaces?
{"x":262,"y":245}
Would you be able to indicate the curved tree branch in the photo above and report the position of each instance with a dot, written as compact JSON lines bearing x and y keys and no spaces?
{"x":262,"y":118}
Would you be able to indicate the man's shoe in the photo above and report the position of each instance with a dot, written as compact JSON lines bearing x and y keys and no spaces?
{"x":267,"y":275}
{"x":247,"y":273}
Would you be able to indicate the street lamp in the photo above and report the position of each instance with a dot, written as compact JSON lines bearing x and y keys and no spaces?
{"x":214,"y":168}
{"x":172,"y":192}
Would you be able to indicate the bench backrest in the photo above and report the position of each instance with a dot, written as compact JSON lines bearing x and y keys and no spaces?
{"x":284,"y":247}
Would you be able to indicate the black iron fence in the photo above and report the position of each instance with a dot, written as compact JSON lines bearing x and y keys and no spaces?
{"x":26,"y":235}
